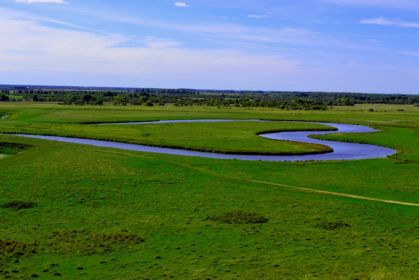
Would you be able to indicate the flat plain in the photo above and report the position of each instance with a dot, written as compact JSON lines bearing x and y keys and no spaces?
{"x":80,"y":212}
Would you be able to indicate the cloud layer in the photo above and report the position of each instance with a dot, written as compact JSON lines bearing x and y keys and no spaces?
{"x":390,"y":22}
{"x":34,"y":49}
{"x":399,"y":4}
{"x":294,"y":48}
{"x":41,"y":1}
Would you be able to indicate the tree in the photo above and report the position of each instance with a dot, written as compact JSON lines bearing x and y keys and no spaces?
{"x":87,"y":98}
{"x":4,"y":97}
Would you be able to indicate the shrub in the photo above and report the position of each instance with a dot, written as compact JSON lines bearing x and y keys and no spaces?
{"x":4,"y":97}
{"x":239,"y":217}
{"x":11,"y":249}
{"x":19,"y":205}
{"x":86,"y":242}
{"x":11,"y":148}
{"x":334,"y":225}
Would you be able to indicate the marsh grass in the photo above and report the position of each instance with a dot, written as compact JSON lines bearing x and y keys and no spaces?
{"x":89,"y":195}
{"x":13,"y":249}
{"x":70,"y":242}
{"x":86,"y":242}
{"x":229,"y":138}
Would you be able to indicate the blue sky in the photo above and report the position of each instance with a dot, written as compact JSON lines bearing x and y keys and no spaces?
{"x":318,"y":45}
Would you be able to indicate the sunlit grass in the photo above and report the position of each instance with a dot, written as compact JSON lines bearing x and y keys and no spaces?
{"x":110,"y":214}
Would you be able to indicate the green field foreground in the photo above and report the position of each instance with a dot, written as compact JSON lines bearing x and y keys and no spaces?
{"x":79,"y":212}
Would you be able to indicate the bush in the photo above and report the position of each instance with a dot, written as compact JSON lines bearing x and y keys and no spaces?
{"x":19,"y":205}
{"x":85,"y":242}
{"x":334,"y":225}
{"x":239,"y":217}
{"x":11,"y":148}
{"x":4,"y":97}
{"x":12,"y":249}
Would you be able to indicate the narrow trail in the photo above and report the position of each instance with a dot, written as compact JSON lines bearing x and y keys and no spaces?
{"x":286,"y":186}
{"x":301,"y":189}
{"x":357,"y":197}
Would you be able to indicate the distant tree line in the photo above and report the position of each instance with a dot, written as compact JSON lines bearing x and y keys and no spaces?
{"x":190,"y":97}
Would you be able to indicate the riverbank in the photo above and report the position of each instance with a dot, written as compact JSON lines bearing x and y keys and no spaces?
{"x":338,"y":150}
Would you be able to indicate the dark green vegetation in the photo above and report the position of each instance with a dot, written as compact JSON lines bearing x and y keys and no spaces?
{"x":239,"y":217}
{"x":189,"y":97}
{"x":19,"y":205}
{"x":111,"y":214}
{"x":7,"y":148}
{"x":334,"y":225}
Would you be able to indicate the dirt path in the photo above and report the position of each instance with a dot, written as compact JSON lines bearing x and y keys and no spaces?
{"x":303,"y":189}
{"x":358,"y":197}
{"x":290,"y":187}
{"x":300,"y":189}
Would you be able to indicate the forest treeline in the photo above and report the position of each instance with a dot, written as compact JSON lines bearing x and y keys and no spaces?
{"x":190,"y":97}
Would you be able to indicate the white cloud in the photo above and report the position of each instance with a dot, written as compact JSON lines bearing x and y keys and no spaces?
{"x":41,"y":1}
{"x":390,"y":22}
{"x":181,"y":4}
{"x":237,"y":33}
{"x":36,"y":53}
{"x":400,"y":4}
{"x":259,"y":16}
{"x":410,"y":53}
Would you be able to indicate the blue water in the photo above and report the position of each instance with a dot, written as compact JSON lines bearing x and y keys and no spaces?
{"x":341,"y":150}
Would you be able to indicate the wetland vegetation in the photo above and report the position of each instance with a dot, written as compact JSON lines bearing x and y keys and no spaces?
{"x":192,"y":97}
{"x":73,"y":211}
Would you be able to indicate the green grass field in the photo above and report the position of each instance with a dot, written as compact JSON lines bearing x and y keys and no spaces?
{"x":79,"y":212}
{"x":239,"y":137}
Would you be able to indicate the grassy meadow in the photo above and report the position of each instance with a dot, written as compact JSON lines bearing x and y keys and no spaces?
{"x":78,"y":212}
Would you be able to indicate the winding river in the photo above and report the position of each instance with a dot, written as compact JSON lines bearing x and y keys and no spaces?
{"x":341,"y":150}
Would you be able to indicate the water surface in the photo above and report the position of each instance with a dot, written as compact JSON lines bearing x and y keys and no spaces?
{"x":341,"y":150}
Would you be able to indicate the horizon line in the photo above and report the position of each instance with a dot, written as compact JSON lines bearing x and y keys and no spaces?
{"x":197,"y":89}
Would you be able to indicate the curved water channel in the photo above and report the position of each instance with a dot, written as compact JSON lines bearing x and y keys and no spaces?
{"x":341,"y":150}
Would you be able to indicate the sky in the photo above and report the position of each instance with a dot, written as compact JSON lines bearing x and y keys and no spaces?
{"x":318,"y":45}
